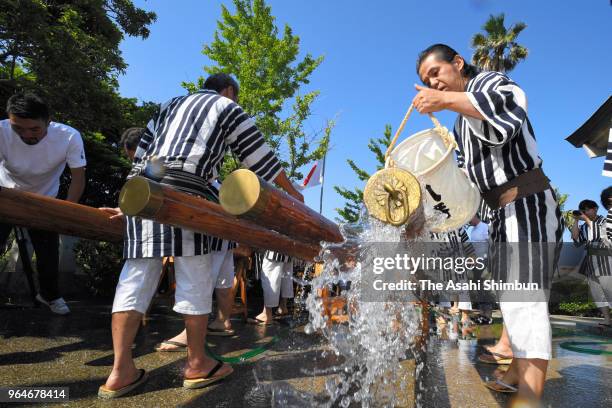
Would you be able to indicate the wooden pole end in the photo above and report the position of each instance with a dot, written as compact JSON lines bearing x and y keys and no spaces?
{"x":140,"y":197}
{"x":240,"y":192}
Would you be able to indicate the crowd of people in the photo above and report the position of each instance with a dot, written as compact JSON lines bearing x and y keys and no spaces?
{"x":191,"y":135}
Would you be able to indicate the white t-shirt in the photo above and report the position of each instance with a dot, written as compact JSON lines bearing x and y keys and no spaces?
{"x":37,"y":168}
{"x":479,"y":232}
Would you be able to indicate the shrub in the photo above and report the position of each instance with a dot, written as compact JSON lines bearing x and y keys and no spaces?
{"x":571,"y":297}
{"x":101,"y":263}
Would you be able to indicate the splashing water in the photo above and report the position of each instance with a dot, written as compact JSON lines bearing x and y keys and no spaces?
{"x":378,"y":335}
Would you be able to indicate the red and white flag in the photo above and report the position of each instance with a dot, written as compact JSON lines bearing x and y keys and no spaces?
{"x":314,"y":177}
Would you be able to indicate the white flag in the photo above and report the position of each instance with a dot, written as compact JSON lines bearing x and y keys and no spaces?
{"x":314,"y":177}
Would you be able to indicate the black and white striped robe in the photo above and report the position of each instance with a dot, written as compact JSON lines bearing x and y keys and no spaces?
{"x":494,"y":151}
{"x":609,"y":225}
{"x":184,"y":146}
{"x":276,"y":256}
{"x":595,"y":265}
{"x":453,"y":244}
{"x":607,"y":169}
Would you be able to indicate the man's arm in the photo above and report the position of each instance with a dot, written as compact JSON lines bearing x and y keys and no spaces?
{"x":77,"y":184}
{"x":247,"y":142}
{"x":575,"y":232}
{"x":283,"y":182}
{"x":577,"y":235}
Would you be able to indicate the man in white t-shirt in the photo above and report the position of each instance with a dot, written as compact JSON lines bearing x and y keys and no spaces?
{"x":479,"y":231}
{"x":33,"y":155}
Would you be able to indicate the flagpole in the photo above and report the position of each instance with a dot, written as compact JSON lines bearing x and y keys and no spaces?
{"x":322,"y":183}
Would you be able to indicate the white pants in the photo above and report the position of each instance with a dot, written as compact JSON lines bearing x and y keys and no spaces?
{"x":196,"y":278}
{"x":528,"y":327}
{"x":601,"y":290}
{"x":460,"y":305}
{"x":276,"y":281}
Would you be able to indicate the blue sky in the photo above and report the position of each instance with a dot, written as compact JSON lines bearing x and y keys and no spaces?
{"x":367,"y":77}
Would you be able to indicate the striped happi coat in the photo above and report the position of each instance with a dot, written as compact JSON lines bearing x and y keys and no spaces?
{"x":595,"y":237}
{"x":609,"y":225}
{"x":456,"y":244}
{"x":607,"y":169}
{"x":183,"y":146}
{"x":276,"y":256}
{"x":496,"y":150}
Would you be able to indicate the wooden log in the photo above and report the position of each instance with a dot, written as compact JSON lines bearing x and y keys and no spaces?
{"x":36,"y":211}
{"x":147,"y":199}
{"x":245,"y":195}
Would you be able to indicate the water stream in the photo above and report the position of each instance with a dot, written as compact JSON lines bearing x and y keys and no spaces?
{"x":376,"y":337}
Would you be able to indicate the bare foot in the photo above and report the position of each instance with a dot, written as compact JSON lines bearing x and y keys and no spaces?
{"x":119,"y":378}
{"x":179,"y":338}
{"x":264,"y":317}
{"x":499,"y":350}
{"x":282,"y":311}
{"x":219,"y":325}
{"x":196,"y":369}
{"x":510,"y":377}
{"x":500,"y":372}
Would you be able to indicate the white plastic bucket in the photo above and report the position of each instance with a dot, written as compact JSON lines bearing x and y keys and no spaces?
{"x":431,"y":161}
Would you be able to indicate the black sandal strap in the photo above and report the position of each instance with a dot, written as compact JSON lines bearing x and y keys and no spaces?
{"x":215,"y":369}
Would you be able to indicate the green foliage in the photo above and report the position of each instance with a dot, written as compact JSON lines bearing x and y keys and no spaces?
{"x":101,"y":262}
{"x":571,"y":296}
{"x":68,"y":52}
{"x":568,"y":218}
{"x":497,"y":49}
{"x":248,"y":45}
{"x":577,"y":308}
{"x":354,"y":198}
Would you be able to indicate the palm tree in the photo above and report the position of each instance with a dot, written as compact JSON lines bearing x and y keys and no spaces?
{"x":496,"y":49}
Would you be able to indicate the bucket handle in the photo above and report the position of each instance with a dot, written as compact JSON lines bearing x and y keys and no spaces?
{"x":441,"y":130}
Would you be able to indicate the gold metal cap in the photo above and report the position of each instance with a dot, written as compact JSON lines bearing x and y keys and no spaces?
{"x":240,"y":192}
{"x":392,"y":195}
{"x":141,"y":197}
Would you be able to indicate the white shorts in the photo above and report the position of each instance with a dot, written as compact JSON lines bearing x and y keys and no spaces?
{"x":276,"y":281}
{"x":196,"y":278}
{"x":528,"y":327}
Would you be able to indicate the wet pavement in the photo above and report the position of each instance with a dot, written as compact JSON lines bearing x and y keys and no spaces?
{"x":41,"y":349}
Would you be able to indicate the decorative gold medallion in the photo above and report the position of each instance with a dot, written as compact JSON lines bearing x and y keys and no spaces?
{"x":392,"y":195}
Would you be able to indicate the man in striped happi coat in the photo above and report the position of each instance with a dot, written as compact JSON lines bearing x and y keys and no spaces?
{"x":456,"y":245}
{"x":183,"y":147}
{"x":277,"y":284}
{"x":606,"y":201}
{"x":598,"y":268}
{"x":497,"y":145}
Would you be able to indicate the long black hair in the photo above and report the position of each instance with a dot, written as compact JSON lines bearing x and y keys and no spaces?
{"x":446,"y":53}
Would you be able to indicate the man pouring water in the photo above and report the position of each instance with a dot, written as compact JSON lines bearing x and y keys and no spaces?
{"x":497,"y":148}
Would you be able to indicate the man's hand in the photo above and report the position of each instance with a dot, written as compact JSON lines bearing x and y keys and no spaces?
{"x":113,"y":212}
{"x":429,"y":100}
{"x":283,"y":182}
{"x":581,"y":217}
{"x":297,"y":195}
